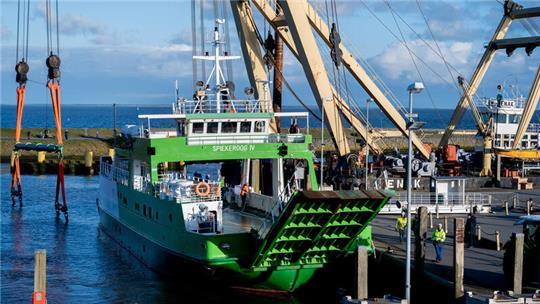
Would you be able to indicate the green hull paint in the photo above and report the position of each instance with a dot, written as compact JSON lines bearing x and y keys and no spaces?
{"x":166,"y":261}
{"x":313,"y":229}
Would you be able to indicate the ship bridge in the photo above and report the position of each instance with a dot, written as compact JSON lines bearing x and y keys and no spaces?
{"x":202,"y":124}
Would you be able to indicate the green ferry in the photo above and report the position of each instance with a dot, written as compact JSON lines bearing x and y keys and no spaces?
{"x":171,"y":197}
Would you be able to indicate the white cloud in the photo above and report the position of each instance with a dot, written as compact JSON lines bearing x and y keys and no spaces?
{"x":395,"y":61}
{"x":75,"y":25}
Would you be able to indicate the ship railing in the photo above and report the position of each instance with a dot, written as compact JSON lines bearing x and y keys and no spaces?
{"x":246,"y":139}
{"x":283,"y":198}
{"x":201,"y":106}
{"x":181,"y":193}
{"x":114,"y":173}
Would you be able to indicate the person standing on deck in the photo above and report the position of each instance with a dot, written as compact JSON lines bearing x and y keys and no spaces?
{"x":401,"y":224}
{"x":243,"y":195}
{"x":438,"y":237}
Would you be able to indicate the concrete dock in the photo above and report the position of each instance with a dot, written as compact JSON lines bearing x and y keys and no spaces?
{"x":483,"y":263}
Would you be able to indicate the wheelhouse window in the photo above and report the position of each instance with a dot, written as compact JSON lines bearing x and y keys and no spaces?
{"x":228,"y":127}
{"x":245,"y":127}
{"x":212,"y":127}
{"x":197,"y":128}
{"x":514,"y":118}
{"x":260,"y":126}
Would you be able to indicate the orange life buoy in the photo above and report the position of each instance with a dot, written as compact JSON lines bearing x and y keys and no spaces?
{"x":206,"y":189}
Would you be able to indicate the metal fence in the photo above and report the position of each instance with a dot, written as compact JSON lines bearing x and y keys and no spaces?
{"x":223,"y":106}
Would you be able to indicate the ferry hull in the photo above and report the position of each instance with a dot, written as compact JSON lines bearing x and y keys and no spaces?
{"x":171,"y":263}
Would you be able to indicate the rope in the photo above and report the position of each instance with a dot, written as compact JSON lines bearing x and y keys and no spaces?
{"x":446,"y":63}
{"x":293,"y":92}
{"x":57,"y":32}
{"x":18,"y":25}
{"x":399,"y":40}
{"x":27,"y":27}
{"x":412,"y":58}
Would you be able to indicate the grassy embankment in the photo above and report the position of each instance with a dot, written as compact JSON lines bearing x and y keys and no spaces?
{"x":100,"y":140}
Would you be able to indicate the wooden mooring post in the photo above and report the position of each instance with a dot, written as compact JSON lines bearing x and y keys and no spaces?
{"x":362,"y":272}
{"x":40,"y":277}
{"x":514,"y":201}
{"x":459,"y":257}
{"x":445,"y":224}
{"x":498,"y":240}
{"x":506,"y":207}
{"x":478,"y":233}
{"x":430,"y":220}
{"x":420,"y":236}
{"x":518,"y":261}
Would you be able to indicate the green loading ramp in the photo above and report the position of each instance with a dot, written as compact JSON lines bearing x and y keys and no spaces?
{"x":317,"y":226}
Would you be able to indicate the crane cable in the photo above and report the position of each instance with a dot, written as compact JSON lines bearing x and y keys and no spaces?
{"x":401,"y":42}
{"x":446,"y":63}
{"x":271,"y":58}
{"x":412,"y":58}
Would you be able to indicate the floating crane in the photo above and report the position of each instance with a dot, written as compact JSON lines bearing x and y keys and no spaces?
{"x":53,"y":84}
{"x":294,"y":22}
{"x":512,"y":11}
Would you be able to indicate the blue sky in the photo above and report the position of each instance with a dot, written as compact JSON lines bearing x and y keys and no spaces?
{"x":133,"y":51}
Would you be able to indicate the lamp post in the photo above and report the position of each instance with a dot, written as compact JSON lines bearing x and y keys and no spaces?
{"x":414,"y":88}
{"x":322,"y":143}
{"x":367,"y":140}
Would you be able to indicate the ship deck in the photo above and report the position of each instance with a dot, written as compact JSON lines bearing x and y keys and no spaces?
{"x":236,"y":221}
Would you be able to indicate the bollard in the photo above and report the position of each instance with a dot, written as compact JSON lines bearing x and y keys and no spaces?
{"x":12,"y":159}
{"x":41,"y":157}
{"x":478,"y":233}
{"x":437,"y":210}
{"x":498,"y":240}
{"x":514,"y":201}
{"x":40,"y":277}
{"x":506,"y":207}
{"x":445,"y":224}
{"x":111,"y":153}
{"x":490,"y":200}
{"x":528,"y":208}
{"x":88,"y":159}
{"x":430,"y":220}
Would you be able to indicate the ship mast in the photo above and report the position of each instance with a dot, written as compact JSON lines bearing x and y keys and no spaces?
{"x":217,"y":72}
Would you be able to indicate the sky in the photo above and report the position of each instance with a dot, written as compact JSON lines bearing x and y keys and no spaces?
{"x":132,"y":52}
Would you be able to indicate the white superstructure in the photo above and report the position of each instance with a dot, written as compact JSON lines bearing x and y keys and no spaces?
{"x":506,"y":113}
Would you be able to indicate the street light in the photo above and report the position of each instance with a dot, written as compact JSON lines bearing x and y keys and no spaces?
{"x":414,"y":88}
{"x":322,"y":142}
{"x":367,"y":140}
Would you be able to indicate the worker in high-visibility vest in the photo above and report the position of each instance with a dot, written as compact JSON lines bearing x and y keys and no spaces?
{"x":401,"y":224}
{"x":438,"y":237}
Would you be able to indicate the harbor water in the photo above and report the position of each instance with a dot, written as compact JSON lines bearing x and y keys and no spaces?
{"x":83,"y":263}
